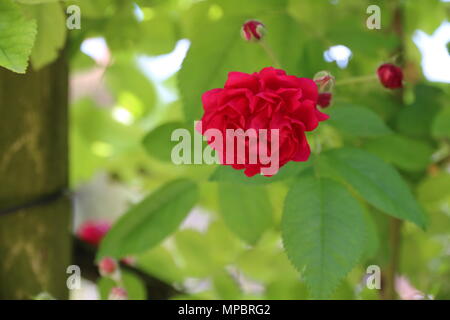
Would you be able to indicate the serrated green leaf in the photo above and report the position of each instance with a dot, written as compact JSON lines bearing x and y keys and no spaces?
{"x":376,"y":181}
{"x":246,"y":210}
{"x":17,"y":36}
{"x":51,"y":36}
{"x":151,"y":220}
{"x":323,"y":232}
{"x":357,"y":121}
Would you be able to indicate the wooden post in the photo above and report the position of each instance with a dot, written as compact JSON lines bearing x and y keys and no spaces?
{"x":35,"y":218}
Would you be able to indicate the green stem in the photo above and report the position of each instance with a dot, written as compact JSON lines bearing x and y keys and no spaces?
{"x":395,"y":226}
{"x":355,"y":80}
{"x":270,"y":53}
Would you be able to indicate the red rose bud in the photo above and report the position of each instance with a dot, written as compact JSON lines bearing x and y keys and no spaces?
{"x":118,"y":293}
{"x":93,"y":231}
{"x":324,"y":81}
{"x":107,"y":267}
{"x":390,"y":76}
{"x":252,"y":30}
{"x":324,"y":99}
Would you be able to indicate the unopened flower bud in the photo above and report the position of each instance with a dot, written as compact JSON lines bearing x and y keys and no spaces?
{"x":324,"y":81}
{"x":324,"y":99}
{"x":118,"y":293}
{"x":390,"y":76}
{"x":108,"y":267}
{"x":93,"y":231}
{"x":252,"y":30}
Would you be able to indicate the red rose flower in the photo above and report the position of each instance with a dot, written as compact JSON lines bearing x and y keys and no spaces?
{"x":252,"y":30}
{"x":93,"y":231}
{"x":324,"y":99}
{"x":390,"y":76}
{"x":267,"y":100}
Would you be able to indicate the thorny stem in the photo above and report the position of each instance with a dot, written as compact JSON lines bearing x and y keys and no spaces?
{"x":270,"y":53}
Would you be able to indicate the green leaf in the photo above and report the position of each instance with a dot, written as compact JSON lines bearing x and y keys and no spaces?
{"x":160,"y":263}
{"x":151,"y":220}
{"x":204,"y":253}
{"x":323,"y":232}
{"x":17,"y":37}
{"x":226,"y":286}
{"x":246,"y":210}
{"x":132,"y":284}
{"x":425,"y":15}
{"x":372,"y":239}
{"x":158,"y":142}
{"x":441,"y":124}
{"x":376,"y":181}
{"x":357,"y":121}
{"x":35,"y":1}
{"x":228,"y":174}
{"x":124,"y":76}
{"x":435,"y":189}
{"x":416,"y":120}
{"x":51,"y":24}
{"x":158,"y":34}
{"x":405,"y":153}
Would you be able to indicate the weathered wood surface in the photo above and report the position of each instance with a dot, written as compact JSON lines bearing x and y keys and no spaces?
{"x":35,"y":247}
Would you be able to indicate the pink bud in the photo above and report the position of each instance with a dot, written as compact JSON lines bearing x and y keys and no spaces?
{"x":118,"y":293}
{"x":252,"y":30}
{"x":324,"y":81}
{"x":390,"y":76}
{"x":108,"y":267}
{"x":93,"y":231}
{"x":324,"y":99}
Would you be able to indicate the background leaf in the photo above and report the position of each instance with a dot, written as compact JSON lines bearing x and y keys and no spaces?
{"x":246,"y":210}
{"x":357,"y":121}
{"x":441,"y":124}
{"x":150,"y":221}
{"x":404,"y":153}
